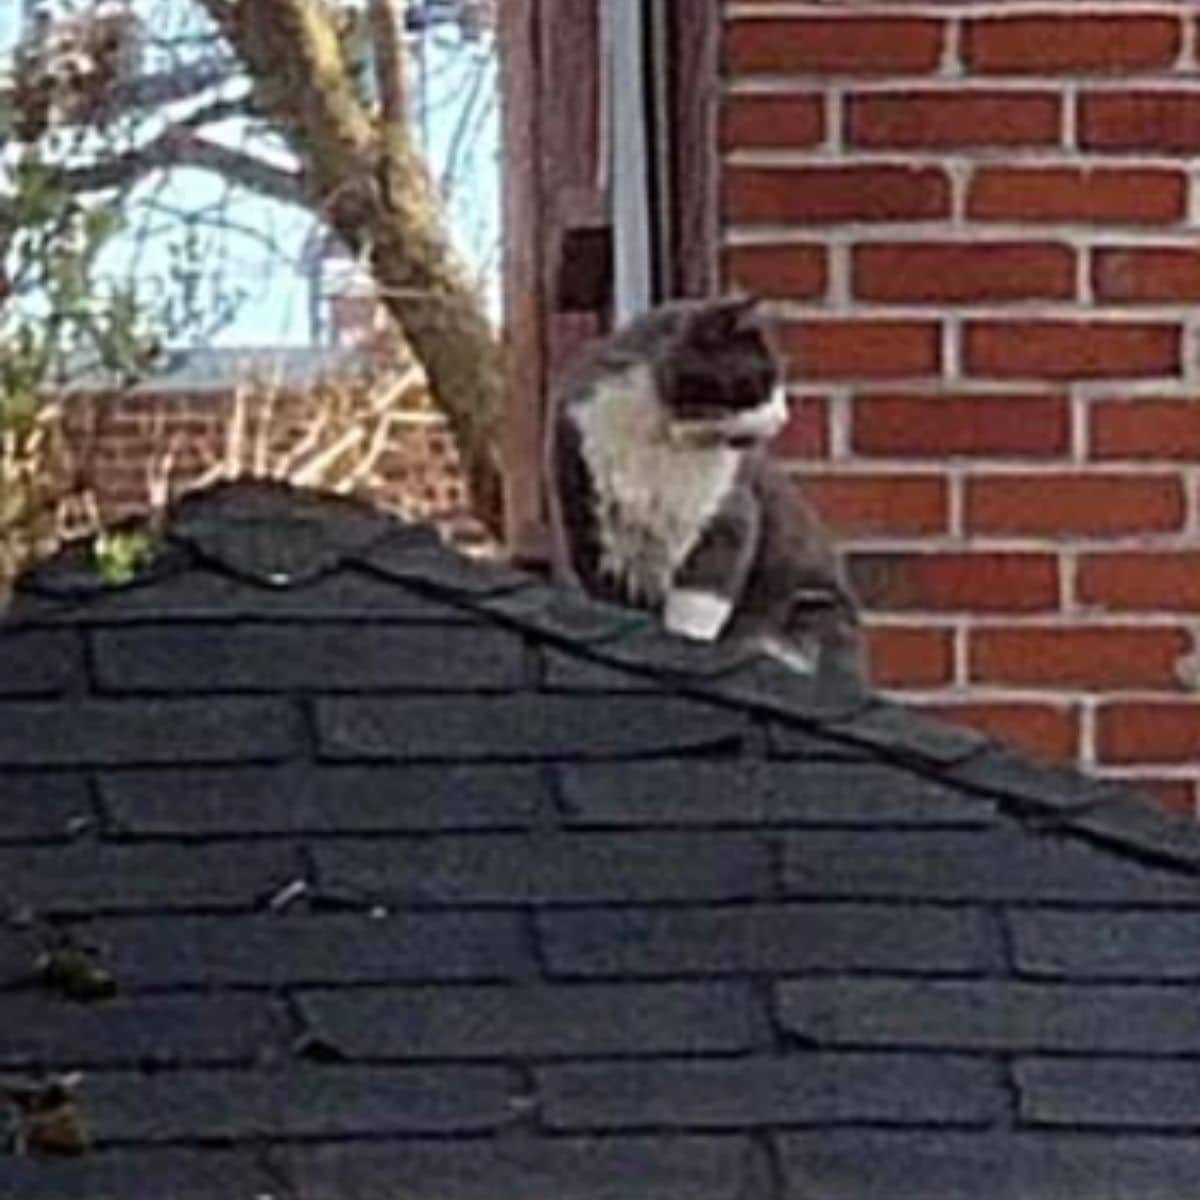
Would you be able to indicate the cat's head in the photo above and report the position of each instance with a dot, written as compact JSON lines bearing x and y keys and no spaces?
{"x":717,"y":377}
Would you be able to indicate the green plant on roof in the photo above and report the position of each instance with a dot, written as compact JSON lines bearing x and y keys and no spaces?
{"x":121,"y":554}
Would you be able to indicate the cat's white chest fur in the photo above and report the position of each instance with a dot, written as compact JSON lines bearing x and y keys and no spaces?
{"x":653,"y":498}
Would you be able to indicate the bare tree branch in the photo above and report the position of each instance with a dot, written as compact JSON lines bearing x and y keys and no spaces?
{"x":389,"y":65}
{"x":384,"y":205}
{"x":180,"y":147}
{"x":171,"y":87}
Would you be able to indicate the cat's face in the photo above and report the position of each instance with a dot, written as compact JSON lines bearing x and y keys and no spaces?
{"x":718,"y":379}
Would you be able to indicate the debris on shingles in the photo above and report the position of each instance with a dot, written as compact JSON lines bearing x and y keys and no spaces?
{"x":74,"y":970}
{"x":288,"y":895}
{"x":421,"y":877}
{"x":45,"y":1115}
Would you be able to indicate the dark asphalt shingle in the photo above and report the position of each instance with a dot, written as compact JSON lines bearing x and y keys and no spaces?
{"x":1129,"y":946}
{"x":37,"y":807}
{"x":87,"y":878}
{"x":991,"y":1015}
{"x":135,"y":732}
{"x":40,"y":662}
{"x":759,"y":793}
{"x":871,"y":1165}
{"x":768,"y":939}
{"x":526,"y":727}
{"x":41,"y":1031}
{"x":285,"y":657}
{"x":801,"y":1089}
{"x":300,"y":1102}
{"x":249,"y":801}
{"x":1004,"y":865}
{"x":510,"y":869}
{"x":1113,"y":1093}
{"x":282,"y":950}
{"x":505,"y":1022}
{"x":610,"y":1168}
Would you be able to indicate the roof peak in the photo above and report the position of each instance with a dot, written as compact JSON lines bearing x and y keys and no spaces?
{"x":269,"y":535}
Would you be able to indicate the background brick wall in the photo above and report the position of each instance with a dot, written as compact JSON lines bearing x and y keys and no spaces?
{"x":122,"y":441}
{"x":981,"y":225}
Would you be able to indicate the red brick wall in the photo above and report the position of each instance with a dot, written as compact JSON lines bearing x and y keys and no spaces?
{"x":981,"y":224}
{"x":120,"y":442}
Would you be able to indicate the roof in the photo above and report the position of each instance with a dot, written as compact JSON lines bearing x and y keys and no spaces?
{"x":343,"y":866}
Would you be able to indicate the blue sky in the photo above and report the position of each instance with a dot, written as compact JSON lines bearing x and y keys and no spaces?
{"x":275,"y":303}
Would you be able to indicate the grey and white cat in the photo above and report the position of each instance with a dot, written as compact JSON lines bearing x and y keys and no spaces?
{"x":662,"y":495}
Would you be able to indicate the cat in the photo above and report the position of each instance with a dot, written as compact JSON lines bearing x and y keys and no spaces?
{"x":661,"y":494}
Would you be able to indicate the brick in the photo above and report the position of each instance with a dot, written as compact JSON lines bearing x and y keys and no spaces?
{"x":1102,"y":196}
{"x":1039,"y":45}
{"x":952,"y":119}
{"x":865,"y":505}
{"x":1145,"y":428}
{"x":834,"y":46}
{"x":808,"y":1089}
{"x":1166,"y":581}
{"x":823,"y":194}
{"x":278,"y":950}
{"x":990,"y":1015}
{"x":765,"y":939}
{"x":1162,"y":731}
{"x":500,"y":1022}
{"x":1096,"y":657}
{"x":1132,"y":1095}
{"x":1140,"y":121}
{"x":788,"y":271}
{"x":963,"y":273}
{"x":1146,"y":275}
{"x":955,"y":580}
{"x":978,"y":426}
{"x":328,"y":657}
{"x":861,"y":349}
{"x":1045,"y":731}
{"x":764,"y":122}
{"x":1071,"y":349}
{"x":297,"y":1102}
{"x":1176,"y":796}
{"x":1092,"y":505}
{"x":132,"y":731}
{"x":509,"y":869}
{"x":134,"y":1031}
{"x":997,"y":865}
{"x":526,"y":727}
{"x":806,"y":434}
{"x":904,"y":657}
{"x":1130,"y":946}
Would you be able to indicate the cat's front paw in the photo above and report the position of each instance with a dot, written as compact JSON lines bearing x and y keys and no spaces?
{"x":696,"y":614}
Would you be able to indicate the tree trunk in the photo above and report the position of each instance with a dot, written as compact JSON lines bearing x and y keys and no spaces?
{"x":370,"y":182}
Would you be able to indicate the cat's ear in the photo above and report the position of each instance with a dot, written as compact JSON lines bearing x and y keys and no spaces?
{"x":721,"y":320}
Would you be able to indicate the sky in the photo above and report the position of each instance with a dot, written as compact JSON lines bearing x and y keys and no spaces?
{"x":274,"y":304}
